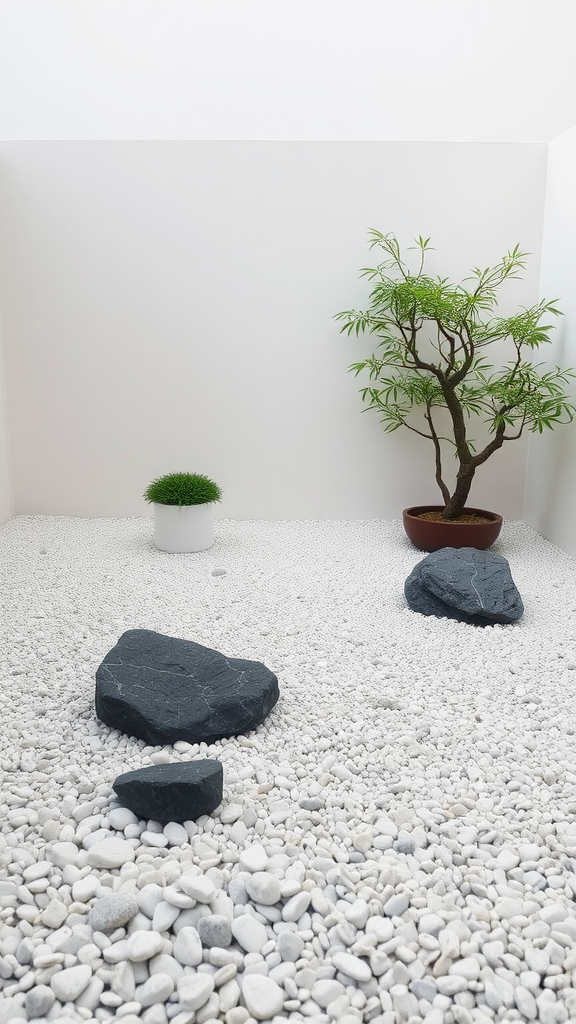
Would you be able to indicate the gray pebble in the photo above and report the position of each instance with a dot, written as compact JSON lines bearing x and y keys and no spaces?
{"x":396,"y":905}
{"x":313,"y":803}
{"x":111,"y":912}
{"x":290,"y":946}
{"x":214,"y":930}
{"x":404,"y":843}
{"x":424,"y":988}
{"x":25,"y":951}
{"x":237,"y":889}
{"x":39,"y":1001}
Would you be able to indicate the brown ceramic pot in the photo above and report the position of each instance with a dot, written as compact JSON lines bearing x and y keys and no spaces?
{"x":430,"y":535}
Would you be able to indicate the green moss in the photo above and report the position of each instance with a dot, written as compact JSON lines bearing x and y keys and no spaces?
{"x":183,"y":489}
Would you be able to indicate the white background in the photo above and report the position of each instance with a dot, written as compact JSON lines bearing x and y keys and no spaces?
{"x":382,"y":70}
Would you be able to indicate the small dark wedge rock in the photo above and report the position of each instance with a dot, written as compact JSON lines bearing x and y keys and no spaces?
{"x":172,"y":792}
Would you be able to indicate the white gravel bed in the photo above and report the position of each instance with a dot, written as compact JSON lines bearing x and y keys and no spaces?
{"x":397,"y":841}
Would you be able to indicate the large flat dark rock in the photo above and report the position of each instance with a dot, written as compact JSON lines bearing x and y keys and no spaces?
{"x":465,"y":584}
{"x":172,"y":792}
{"x":162,"y":689}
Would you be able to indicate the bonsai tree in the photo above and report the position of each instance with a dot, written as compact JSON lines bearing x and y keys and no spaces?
{"x":182,"y":489}
{"x":431,"y":356}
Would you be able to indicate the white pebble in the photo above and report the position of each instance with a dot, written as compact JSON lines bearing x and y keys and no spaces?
{"x":176,"y":834}
{"x":194,"y":990}
{"x":249,"y":933}
{"x":381,"y":927}
{"x":263,"y":997}
{"x":187,"y":947}
{"x":110,"y":853}
{"x":263,"y":887}
{"x":38,"y":870}
{"x":157,"y":989}
{"x":164,"y":916}
{"x":156,"y":839}
{"x":54,"y":915}
{"x":230,"y":813}
{"x":85,"y":888}
{"x":141,"y":945}
{"x":326,"y":991}
{"x":67,"y":985}
{"x":296,"y":906}
{"x":526,"y":1002}
{"x":120,"y":817}
{"x":396,"y":905}
{"x":198,"y":887}
{"x":353,"y":966}
{"x":62,"y":854}
{"x":253,"y":858}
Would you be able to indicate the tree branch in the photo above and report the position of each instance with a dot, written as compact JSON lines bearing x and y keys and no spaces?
{"x":438,"y":455}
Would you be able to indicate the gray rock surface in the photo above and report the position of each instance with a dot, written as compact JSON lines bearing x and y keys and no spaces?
{"x":172,"y":792}
{"x":214,"y":930}
{"x":111,"y":912}
{"x":162,"y":689}
{"x":39,"y":1000}
{"x":466,"y":584}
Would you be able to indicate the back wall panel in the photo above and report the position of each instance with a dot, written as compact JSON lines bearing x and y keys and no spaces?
{"x":169,"y":305}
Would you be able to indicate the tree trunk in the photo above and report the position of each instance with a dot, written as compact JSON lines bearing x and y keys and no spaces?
{"x":468,"y":465}
{"x":456,"y":504}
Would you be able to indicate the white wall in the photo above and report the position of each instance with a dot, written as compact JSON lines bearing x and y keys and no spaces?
{"x":168,"y":305}
{"x":551,"y":477}
{"x":399,"y":70}
{"x":6,"y":504}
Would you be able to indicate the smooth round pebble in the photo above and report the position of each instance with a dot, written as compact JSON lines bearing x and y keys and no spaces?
{"x":39,"y":1000}
{"x":111,"y":912}
{"x":142,"y":945}
{"x":263,"y":887}
{"x":353,"y":966}
{"x":187,"y":948}
{"x":253,"y":858}
{"x":198,"y":887}
{"x":289,"y":946}
{"x":263,"y":997}
{"x":194,"y":990}
{"x":215,"y":930}
{"x":157,"y":989}
{"x":68,"y":984}
{"x":110,"y":853}
{"x":250,"y":933}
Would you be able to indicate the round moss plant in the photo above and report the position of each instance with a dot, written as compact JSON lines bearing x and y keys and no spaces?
{"x":183,"y":489}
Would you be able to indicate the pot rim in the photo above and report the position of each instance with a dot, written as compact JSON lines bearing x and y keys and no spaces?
{"x":414,"y":511}
{"x":185,"y":504}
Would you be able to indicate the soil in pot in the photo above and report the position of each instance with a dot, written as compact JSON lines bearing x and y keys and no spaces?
{"x":437,"y":517}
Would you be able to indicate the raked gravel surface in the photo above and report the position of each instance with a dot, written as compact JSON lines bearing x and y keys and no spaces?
{"x":397,"y":842}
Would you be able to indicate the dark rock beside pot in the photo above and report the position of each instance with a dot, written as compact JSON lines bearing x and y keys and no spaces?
{"x":163,"y":689}
{"x":465,"y":584}
{"x":172,"y":792}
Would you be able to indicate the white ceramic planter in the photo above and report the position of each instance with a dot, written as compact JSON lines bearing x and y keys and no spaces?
{"x":183,"y":528}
